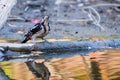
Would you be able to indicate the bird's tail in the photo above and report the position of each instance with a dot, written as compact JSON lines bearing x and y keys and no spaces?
{"x":24,"y":41}
{"x":27,"y":37}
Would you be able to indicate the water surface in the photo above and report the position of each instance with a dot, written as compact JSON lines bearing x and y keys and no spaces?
{"x":81,"y":65}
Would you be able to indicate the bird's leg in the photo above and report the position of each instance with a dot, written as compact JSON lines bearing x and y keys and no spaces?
{"x":34,"y":43}
{"x":45,"y":40}
{"x":33,"y":40}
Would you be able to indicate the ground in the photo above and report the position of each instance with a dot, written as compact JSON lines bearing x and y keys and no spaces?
{"x":63,"y":19}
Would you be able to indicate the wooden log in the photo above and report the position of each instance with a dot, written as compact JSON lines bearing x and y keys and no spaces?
{"x":62,"y":45}
{"x":5,"y":8}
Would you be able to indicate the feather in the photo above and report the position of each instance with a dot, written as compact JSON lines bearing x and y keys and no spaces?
{"x":39,"y":30}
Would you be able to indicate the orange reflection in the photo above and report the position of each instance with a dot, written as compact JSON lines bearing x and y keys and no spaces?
{"x":100,"y":65}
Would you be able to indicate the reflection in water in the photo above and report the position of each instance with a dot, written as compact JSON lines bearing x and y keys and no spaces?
{"x":3,"y":76}
{"x":95,"y":71}
{"x":107,"y":63}
{"x":98,"y":65}
{"x":17,"y":70}
{"x":39,"y":69}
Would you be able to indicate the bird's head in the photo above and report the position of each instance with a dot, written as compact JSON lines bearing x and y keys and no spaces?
{"x":45,"y":21}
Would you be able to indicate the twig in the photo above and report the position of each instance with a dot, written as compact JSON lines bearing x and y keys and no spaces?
{"x":102,"y":4}
{"x":75,"y":20}
{"x":96,"y":20}
{"x":92,"y":17}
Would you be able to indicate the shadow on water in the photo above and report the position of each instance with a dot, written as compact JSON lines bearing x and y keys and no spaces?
{"x":75,"y":65}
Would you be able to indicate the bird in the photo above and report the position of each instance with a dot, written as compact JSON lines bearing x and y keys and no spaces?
{"x":40,"y":30}
{"x":40,"y":70}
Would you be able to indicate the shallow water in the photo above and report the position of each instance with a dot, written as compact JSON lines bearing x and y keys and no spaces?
{"x":83,"y":65}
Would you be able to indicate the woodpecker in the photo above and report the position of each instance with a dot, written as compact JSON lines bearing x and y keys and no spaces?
{"x":40,"y":30}
{"x":40,"y":70}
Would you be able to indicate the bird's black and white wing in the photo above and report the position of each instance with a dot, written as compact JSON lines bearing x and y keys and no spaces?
{"x":37,"y":27}
{"x":40,"y":30}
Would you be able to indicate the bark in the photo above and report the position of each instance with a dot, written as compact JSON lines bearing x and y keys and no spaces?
{"x":5,"y":8}
{"x":62,"y":45}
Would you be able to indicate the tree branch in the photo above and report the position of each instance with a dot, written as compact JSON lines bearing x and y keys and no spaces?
{"x":62,"y":45}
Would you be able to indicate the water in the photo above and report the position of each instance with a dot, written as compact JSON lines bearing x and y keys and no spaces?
{"x":82,"y":65}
